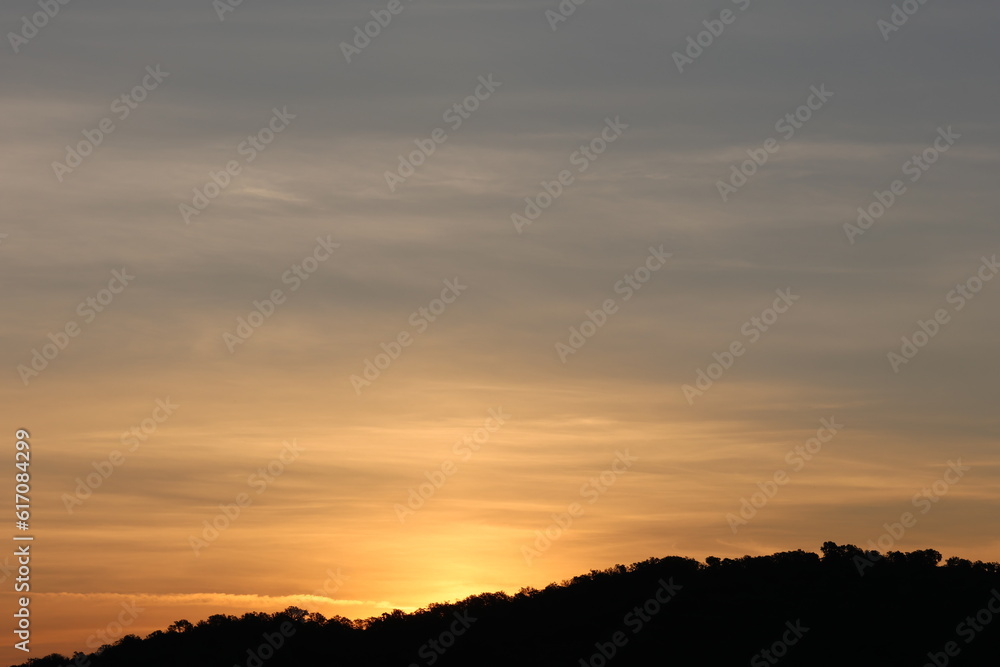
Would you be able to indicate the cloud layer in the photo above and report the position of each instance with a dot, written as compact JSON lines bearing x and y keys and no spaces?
{"x":531,"y":138}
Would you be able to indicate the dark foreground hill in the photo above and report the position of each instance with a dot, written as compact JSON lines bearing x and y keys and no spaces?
{"x":848,"y":607}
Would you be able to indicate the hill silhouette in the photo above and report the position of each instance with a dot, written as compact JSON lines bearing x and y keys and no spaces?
{"x":846,"y":607}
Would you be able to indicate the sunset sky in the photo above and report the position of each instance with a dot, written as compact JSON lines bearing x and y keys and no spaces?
{"x":633,"y":148}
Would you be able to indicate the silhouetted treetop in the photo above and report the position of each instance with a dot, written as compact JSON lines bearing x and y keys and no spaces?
{"x":844,"y":606}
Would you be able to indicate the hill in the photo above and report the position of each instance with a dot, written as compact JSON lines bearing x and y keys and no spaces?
{"x":846,"y":607}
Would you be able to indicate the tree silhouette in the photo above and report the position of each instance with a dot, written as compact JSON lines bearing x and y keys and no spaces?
{"x":898,"y":609}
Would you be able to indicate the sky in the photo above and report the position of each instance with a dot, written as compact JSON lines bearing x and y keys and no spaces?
{"x":495,"y":294}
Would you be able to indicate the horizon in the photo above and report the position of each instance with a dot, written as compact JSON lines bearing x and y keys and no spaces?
{"x":130,"y":612}
{"x":407,"y":301}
